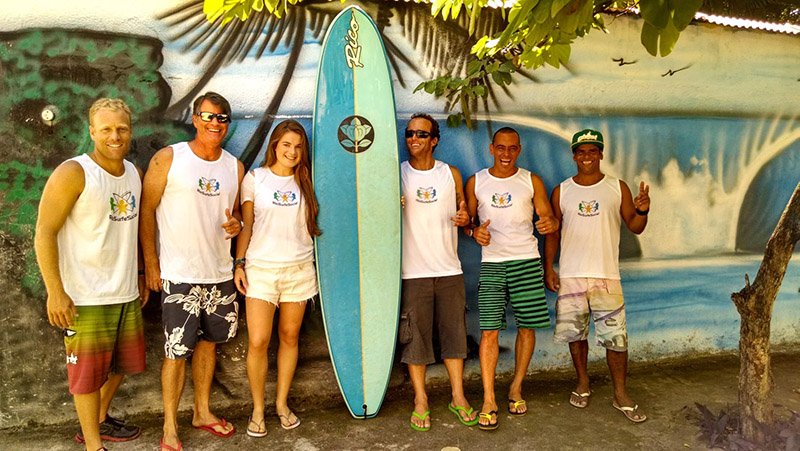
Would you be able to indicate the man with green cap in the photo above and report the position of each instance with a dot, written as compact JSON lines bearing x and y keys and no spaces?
{"x":591,"y":207}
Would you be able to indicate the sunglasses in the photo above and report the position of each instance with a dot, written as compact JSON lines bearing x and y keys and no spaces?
{"x":422,"y":134}
{"x":222,"y":118}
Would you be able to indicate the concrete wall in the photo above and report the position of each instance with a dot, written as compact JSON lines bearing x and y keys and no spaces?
{"x":717,"y":141}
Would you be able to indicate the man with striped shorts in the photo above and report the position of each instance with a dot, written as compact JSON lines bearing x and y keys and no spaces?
{"x":502,"y":199}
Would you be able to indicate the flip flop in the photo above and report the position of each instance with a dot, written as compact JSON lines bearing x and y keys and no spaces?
{"x":631,"y":412}
{"x":255,"y":432}
{"x":575,"y":399}
{"x":291,"y":425}
{"x":166,"y":447}
{"x":210,"y":428}
{"x":515,"y":405}
{"x":456,"y":410}
{"x":422,"y":418}
{"x":491,"y":426}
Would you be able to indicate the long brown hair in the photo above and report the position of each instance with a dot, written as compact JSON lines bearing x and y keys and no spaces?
{"x":302,"y":172}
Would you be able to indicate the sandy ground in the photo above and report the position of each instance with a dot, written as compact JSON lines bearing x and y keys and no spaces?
{"x":666,"y":391}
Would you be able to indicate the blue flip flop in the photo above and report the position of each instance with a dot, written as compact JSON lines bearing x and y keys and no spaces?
{"x":421,"y":417}
{"x":456,"y":410}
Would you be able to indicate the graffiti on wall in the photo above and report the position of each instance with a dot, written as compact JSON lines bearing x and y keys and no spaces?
{"x":719,"y":182}
{"x":50,"y":78}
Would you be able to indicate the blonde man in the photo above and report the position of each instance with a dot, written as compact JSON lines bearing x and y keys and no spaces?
{"x":86,"y":246}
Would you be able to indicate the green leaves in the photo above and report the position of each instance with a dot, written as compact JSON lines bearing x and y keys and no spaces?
{"x":655,"y":12}
{"x":684,"y":12}
{"x":664,"y":20}
{"x":463,"y":92}
{"x":242,"y":9}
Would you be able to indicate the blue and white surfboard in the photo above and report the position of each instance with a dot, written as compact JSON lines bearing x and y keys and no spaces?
{"x":357,"y":183}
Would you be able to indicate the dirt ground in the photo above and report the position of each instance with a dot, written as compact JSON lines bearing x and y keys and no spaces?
{"x":667,"y":393}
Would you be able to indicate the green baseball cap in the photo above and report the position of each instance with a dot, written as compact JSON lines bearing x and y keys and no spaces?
{"x":587,"y":136}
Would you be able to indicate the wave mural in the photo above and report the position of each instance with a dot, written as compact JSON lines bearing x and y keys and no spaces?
{"x":718,"y":142}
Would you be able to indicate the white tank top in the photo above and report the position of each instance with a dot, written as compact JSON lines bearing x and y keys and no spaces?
{"x":430,"y":240}
{"x":280,"y":236}
{"x":97,"y":245}
{"x":508,"y":203}
{"x":193,"y":248}
{"x":590,"y":229}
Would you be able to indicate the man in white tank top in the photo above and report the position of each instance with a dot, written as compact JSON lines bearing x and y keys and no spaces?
{"x":504,"y":198}
{"x":192,"y":191}
{"x":592,"y":206}
{"x":433,"y":285}
{"x":93,"y":294}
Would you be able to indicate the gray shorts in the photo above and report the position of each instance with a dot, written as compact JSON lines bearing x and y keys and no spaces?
{"x":189,"y":312}
{"x":429,"y":302}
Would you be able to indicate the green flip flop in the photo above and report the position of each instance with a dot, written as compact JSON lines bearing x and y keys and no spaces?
{"x":457,"y":410}
{"x":421,"y":417}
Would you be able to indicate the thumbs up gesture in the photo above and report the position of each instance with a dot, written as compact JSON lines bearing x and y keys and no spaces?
{"x":482,"y":234}
{"x":547,"y":223}
{"x":461,"y":219}
{"x":232,"y":226}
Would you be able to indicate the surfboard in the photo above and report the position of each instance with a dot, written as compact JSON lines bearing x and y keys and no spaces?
{"x":357,"y":183}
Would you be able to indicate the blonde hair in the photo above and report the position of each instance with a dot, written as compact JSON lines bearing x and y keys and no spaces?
{"x":108,"y":104}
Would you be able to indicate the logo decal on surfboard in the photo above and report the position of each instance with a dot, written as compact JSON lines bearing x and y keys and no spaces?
{"x":352,"y":51}
{"x":356,"y":134}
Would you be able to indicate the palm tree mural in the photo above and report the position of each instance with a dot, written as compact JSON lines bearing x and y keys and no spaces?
{"x":443,"y":46}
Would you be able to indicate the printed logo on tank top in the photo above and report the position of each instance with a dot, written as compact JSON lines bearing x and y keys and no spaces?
{"x":590,"y":208}
{"x":284,"y":198}
{"x":501,"y":200}
{"x":123,"y":207}
{"x":208,"y":187}
{"x":72,"y":359}
{"x":426,"y":195}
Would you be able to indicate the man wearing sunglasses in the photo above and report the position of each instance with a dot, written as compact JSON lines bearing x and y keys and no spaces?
{"x":191,"y":189}
{"x":505,"y":197}
{"x":433,"y":285}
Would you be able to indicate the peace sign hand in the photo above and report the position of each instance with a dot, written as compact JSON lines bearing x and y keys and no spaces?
{"x":642,"y":200}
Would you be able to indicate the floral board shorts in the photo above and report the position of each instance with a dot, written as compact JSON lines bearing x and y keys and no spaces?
{"x":189,"y":312}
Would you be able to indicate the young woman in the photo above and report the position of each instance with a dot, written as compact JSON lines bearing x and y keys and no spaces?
{"x":274,"y":265}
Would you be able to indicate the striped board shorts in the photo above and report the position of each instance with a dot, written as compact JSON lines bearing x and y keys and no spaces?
{"x":518,"y":282}
{"x":104,"y":339}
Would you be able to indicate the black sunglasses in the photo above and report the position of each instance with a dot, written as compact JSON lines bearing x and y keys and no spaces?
{"x":422,"y":134}
{"x":222,"y":118}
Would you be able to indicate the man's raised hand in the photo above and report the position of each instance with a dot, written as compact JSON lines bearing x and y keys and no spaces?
{"x":482,"y":234}
{"x":546,"y":224}
{"x":461,"y":219}
{"x":642,"y":200}
{"x":232,"y":226}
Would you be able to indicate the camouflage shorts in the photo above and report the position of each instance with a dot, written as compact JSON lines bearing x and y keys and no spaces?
{"x":602,"y":298}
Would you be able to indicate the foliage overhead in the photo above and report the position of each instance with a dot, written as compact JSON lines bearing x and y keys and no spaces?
{"x":534,"y":33}
{"x":242,"y":9}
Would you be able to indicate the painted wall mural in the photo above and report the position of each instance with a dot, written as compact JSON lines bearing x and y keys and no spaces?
{"x":718,"y":141}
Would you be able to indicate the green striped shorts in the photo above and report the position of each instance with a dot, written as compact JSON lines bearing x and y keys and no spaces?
{"x":519,"y":282}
